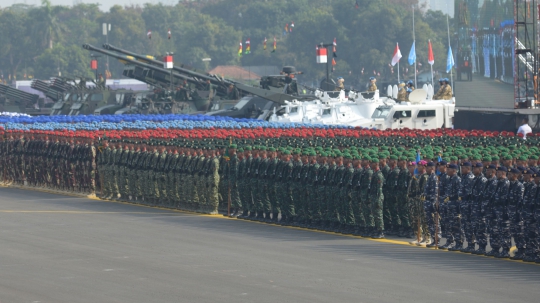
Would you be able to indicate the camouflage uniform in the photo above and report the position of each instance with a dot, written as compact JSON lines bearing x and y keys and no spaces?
{"x":213,"y":183}
{"x":376,"y":198}
{"x":499,"y":216}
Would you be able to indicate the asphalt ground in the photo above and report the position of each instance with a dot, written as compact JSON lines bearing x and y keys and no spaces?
{"x":57,"y":248}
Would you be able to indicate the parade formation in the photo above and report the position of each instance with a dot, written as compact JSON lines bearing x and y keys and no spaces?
{"x":472,"y":188}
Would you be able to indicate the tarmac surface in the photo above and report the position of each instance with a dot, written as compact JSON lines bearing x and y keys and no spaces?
{"x":57,"y":248}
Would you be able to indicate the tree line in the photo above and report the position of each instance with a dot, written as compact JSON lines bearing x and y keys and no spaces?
{"x":45,"y":41}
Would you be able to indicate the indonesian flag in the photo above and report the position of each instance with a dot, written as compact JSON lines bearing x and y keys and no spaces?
{"x":292,"y":25}
{"x":169,"y":33}
{"x":431,"y":58}
{"x":248,"y":46}
{"x":264,"y":43}
{"x":397,"y":55}
{"x":240,"y":49}
{"x":275,"y":44}
{"x":149,"y":34}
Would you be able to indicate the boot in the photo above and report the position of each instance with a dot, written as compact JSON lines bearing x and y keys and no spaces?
{"x":267,"y":218}
{"x":519,"y":255}
{"x":259,"y":216}
{"x":244,"y":215}
{"x":275,"y":218}
{"x":480,"y":251}
{"x":529,"y":257}
{"x":283,"y":220}
{"x":367,"y":232}
{"x":378,"y":235}
{"x":449,"y":245}
{"x":503,"y":254}
{"x":465,"y":250}
{"x":494,"y":251}
{"x":457,"y":247}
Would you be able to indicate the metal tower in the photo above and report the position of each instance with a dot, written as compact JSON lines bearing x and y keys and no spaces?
{"x":525,"y":53}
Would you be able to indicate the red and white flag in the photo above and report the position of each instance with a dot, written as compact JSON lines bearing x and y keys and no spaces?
{"x":169,"y":34}
{"x":431,"y":58}
{"x":149,"y":34}
{"x":397,"y":55}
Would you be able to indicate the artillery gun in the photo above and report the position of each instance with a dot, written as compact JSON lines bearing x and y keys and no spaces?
{"x":18,"y":101}
{"x":195,"y":92}
{"x":74,"y":97}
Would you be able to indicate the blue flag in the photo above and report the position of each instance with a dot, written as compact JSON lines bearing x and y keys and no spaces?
{"x":449,"y":60}
{"x":412,"y":54}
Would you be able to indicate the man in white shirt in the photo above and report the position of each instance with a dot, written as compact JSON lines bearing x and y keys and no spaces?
{"x":525,"y":128}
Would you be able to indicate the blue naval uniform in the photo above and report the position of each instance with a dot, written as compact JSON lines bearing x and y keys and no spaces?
{"x":499,"y":214}
{"x":526,"y":237}
{"x":465,"y":206}
{"x":513,"y":224}
{"x":453,"y":221}
{"x":475,"y":205}
{"x":443,"y":207}
{"x":485,"y":212}
{"x":430,"y":199}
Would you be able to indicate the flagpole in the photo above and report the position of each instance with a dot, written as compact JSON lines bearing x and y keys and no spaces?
{"x":431,"y":64}
{"x":414,"y":41}
{"x":448,"y":31}
{"x":398,"y":73}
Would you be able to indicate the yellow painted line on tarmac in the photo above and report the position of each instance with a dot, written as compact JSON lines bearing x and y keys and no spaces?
{"x":80,"y":212}
{"x":389,"y":241}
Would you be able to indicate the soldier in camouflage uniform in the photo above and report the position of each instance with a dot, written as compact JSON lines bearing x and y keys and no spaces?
{"x":415,"y":203}
{"x":213,"y":183}
{"x":271,"y":175}
{"x":392,"y":221}
{"x":467,"y":183}
{"x":431,"y":198}
{"x":376,"y":198}
{"x":475,"y":200}
{"x":523,"y":239}
{"x":512,"y":222}
{"x":233,"y":168}
{"x":285,"y":179}
{"x":403,"y":210}
{"x":320,"y":200}
{"x":498,"y":211}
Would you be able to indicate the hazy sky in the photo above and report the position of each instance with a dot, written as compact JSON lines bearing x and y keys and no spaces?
{"x":104,"y":4}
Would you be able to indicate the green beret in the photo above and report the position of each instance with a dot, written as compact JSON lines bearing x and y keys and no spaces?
{"x":495,"y":158}
{"x":272,"y":149}
{"x":323,"y":154}
{"x":286,"y":152}
{"x":248,"y":147}
{"x":393,"y":157}
{"x":487,"y":158}
{"x":507,"y":157}
{"x":347,"y":156}
{"x":240,"y":150}
{"x":533,"y":157}
{"x":374,"y":160}
{"x":233,"y":146}
{"x":523,"y":158}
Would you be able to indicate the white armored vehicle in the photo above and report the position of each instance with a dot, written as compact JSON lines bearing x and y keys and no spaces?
{"x":370,"y":110}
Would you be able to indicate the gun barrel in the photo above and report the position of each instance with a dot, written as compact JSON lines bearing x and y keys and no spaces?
{"x":134,"y":62}
{"x":181,"y":70}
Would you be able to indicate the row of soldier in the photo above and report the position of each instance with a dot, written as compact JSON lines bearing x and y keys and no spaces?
{"x":59,"y":163}
{"x":469,"y":203}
